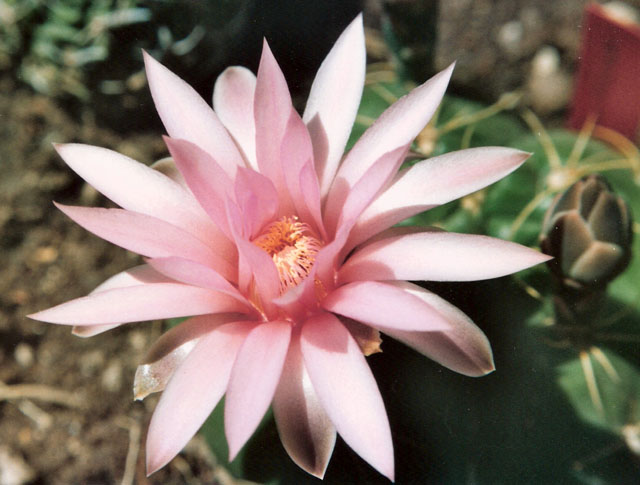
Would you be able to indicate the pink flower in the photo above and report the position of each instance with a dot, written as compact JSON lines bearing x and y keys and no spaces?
{"x":277,"y":245}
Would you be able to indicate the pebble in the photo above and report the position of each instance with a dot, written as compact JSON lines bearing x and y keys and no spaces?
{"x":45,"y":255}
{"x":13,"y":469}
{"x":24,"y":355}
{"x":546,"y":62}
{"x":548,"y":86}
{"x":112,"y":376}
{"x":509,"y":38}
{"x":18,"y":296}
{"x":137,"y":340}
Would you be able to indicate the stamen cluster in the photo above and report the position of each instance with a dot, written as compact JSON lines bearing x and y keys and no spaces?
{"x":293,"y":248}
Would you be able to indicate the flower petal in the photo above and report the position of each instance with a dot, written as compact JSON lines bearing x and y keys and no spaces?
{"x":171,"y":349}
{"x":140,"y":303}
{"x":195,"y":274}
{"x":311,"y":196}
{"x":438,"y":256}
{"x":334,"y":99}
{"x":233,"y":97}
{"x":382,"y":305}
{"x":146,"y":235}
{"x":347,"y":390}
{"x":296,"y":154}
{"x":186,"y":115}
{"x":327,"y":261}
{"x":192,"y":393}
{"x":396,"y":127}
{"x":296,"y":301}
{"x":463,"y":347}
{"x":136,"y":187}
{"x":433,"y":182}
{"x":364,"y":191}
{"x":257,"y":199}
{"x":205,"y":177}
{"x":256,"y":269}
{"x":305,"y":430}
{"x":253,"y":381}
{"x":272,"y":108}
{"x":138,"y":275}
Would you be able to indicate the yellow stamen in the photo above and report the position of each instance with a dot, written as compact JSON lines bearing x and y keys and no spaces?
{"x":292,"y":246}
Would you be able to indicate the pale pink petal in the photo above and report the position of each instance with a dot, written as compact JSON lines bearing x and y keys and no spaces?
{"x":233,"y":97}
{"x":192,"y":393}
{"x":138,"y":275}
{"x":257,"y":272}
{"x":236,"y":226}
{"x":311,"y":195}
{"x":327,"y":261}
{"x":463,"y":348}
{"x":257,"y":200}
{"x":396,"y":231}
{"x":253,"y":381}
{"x":195,"y":274}
{"x":272,"y":108}
{"x":146,"y":235}
{"x":396,"y":127}
{"x":438,"y":256}
{"x":296,"y":301}
{"x":187,"y":116}
{"x":347,"y":390}
{"x":171,"y":349}
{"x":140,"y":303}
{"x":433,"y":182}
{"x":305,"y":430}
{"x":136,"y":187}
{"x":391,"y":232}
{"x":296,"y":155}
{"x":334,"y":99}
{"x":382,"y":306}
{"x":363,"y":191}
{"x":205,"y":177}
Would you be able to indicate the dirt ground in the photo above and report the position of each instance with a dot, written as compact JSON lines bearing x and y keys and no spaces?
{"x":67,"y":415}
{"x":66,"y":409}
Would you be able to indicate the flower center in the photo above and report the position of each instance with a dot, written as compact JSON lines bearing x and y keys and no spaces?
{"x":292,"y":246}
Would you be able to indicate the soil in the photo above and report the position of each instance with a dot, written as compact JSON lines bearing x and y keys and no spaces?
{"x":66,"y":409}
{"x":67,"y":414}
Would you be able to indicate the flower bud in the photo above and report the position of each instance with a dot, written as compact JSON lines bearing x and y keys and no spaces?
{"x":588,"y":231}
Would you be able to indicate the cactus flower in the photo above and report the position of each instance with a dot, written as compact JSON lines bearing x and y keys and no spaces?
{"x":282,"y":250}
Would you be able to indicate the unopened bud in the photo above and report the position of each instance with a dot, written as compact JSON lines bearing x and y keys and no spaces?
{"x":588,"y":230}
